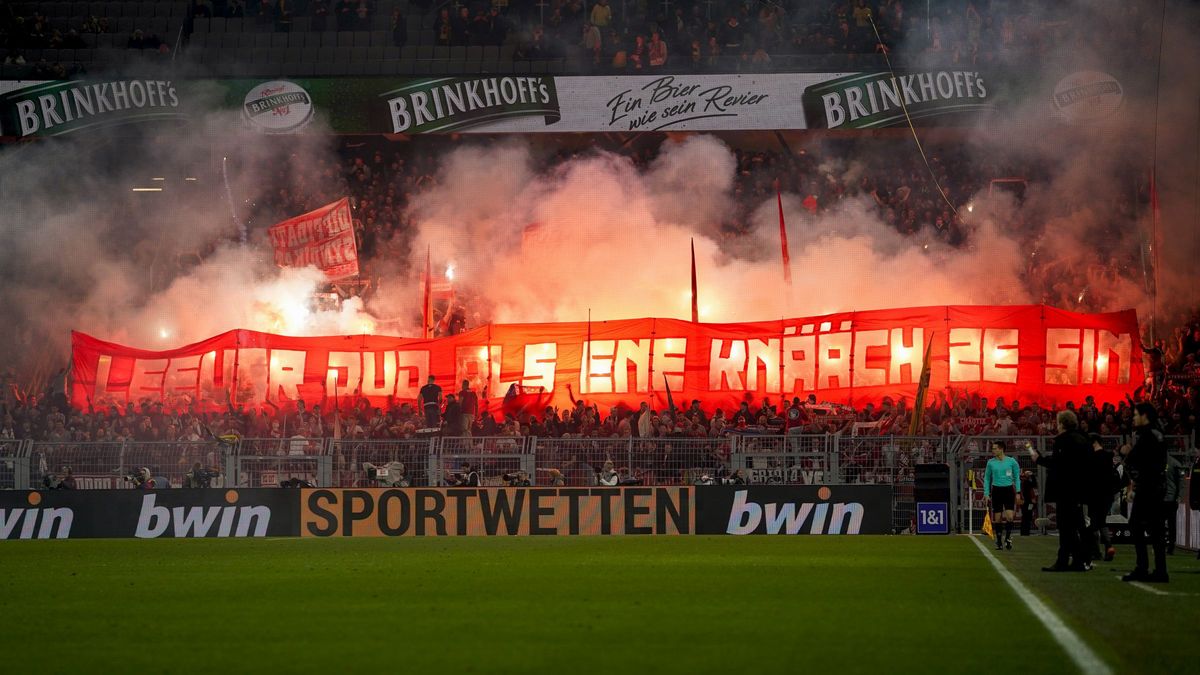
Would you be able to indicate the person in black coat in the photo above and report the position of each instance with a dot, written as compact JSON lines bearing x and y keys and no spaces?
{"x":1146,"y":466}
{"x":1066,"y":477}
{"x":1103,"y":483}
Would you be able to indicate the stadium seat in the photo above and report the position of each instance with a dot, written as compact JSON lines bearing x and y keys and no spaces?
{"x":409,"y":53}
{"x":355,"y":68}
{"x":325,"y":68}
{"x":145,"y":10}
{"x":200,"y":25}
{"x":424,"y":53}
{"x":263,"y":39}
{"x":391,"y":53}
{"x":375,"y":53}
{"x":329,"y":39}
{"x":358,"y":54}
{"x":474,"y":54}
{"x":380,"y":38}
{"x":279,"y":40}
{"x":521,"y":67}
{"x":345,"y":39}
{"x":342,"y":54}
{"x":301,"y":23}
{"x":457,"y":53}
{"x":326,"y":54}
{"x":158,"y":26}
{"x":489,"y":66}
{"x":246,"y":40}
{"x":362,"y":39}
{"x":419,"y":68}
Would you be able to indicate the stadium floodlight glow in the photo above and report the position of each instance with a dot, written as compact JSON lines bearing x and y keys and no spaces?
{"x":164,"y":333}
{"x":450,"y":272}
{"x":158,"y":178}
{"x":970,"y":208}
{"x":191,"y":178}
{"x":150,"y":189}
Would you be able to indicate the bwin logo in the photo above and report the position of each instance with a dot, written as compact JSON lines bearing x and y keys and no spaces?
{"x":745,"y":517}
{"x":50,"y":523}
{"x":198,"y":521}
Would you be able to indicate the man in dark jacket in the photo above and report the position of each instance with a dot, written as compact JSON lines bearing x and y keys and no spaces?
{"x":1146,"y":466}
{"x":1066,"y":476}
{"x":1103,"y":482}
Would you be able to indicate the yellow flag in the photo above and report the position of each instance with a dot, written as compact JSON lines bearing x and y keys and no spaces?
{"x":987,"y":524}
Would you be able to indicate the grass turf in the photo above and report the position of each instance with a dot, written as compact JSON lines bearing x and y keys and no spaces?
{"x":581,"y":605}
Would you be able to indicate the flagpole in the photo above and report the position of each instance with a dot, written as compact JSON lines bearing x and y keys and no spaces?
{"x":426,"y":296}
{"x":587,"y":358}
{"x":695,"y":298}
{"x":783,"y":242}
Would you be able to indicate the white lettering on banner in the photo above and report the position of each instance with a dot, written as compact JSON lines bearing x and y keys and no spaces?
{"x":379,"y":374}
{"x":668,"y":362}
{"x":815,"y":356}
{"x":346,"y":369}
{"x":540,"y":363}
{"x":412,"y":368}
{"x":67,"y":103}
{"x":1083,"y":356}
{"x":872,"y":95}
{"x":984,"y":355}
{"x":148,"y":377}
{"x":55,"y":523}
{"x":745,"y":516}
{"x":286,"y":373}
{"x":183,"y":375}
{"x":634,"y":353}
{"x":197,"y":521}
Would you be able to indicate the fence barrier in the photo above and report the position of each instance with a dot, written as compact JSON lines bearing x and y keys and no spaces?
{"x":436,"y":461}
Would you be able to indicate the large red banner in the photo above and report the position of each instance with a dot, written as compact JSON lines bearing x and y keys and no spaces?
{"x":1028,"y":353}
{"x":322,"y":238}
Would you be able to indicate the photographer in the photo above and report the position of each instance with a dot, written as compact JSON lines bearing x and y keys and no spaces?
{"x":200,"y":477}
{"x":468,"y":476}
{"x":517,"y":479}
{"x":141,"y":479}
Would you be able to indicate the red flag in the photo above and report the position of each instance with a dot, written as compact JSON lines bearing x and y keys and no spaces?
{"x":787,"y":259}
{"x":695,"y":298}
{"x":427,"y":298}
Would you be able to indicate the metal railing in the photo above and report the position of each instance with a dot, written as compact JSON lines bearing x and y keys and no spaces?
{"x":789,"y":459}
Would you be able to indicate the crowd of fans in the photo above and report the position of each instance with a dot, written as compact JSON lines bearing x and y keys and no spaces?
{"x":645,"y":36}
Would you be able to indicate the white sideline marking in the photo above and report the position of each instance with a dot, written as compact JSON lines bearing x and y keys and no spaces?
{"x":1083,"y":656}
{"x":1148,"y":589}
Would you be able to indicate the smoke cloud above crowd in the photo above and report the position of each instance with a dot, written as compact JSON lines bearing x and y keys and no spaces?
{"x":537,"y":241}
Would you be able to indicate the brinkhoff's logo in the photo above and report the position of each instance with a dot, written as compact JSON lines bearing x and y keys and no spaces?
{"x":746,"y":517}
{"x":874,"y":100}
{"x":36,"y":523}
{"x":202,"y":521}
{"x":1087,"y":95}
{"x":278,"y":107}
{"x":456,"y":103}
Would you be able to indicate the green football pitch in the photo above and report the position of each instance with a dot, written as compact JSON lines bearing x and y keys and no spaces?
{"x":577,"y":605}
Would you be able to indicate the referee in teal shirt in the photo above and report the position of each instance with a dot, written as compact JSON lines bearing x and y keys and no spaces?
{"x":1001,"y":485}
